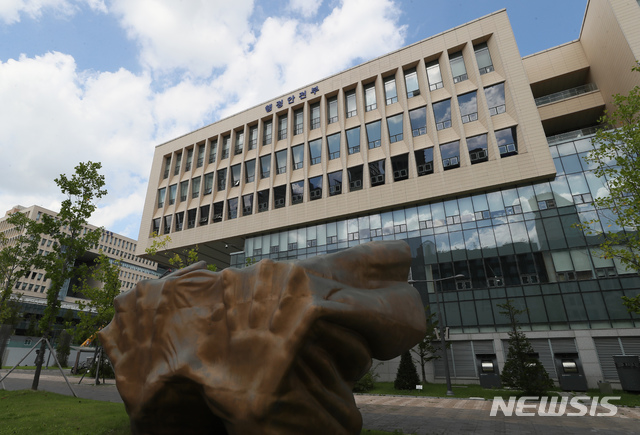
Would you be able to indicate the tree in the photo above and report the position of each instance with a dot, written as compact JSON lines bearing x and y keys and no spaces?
{"x":407,"y":376}
{"x":616,"y":159}
{"x":64,"y":348}
{"x":522,"y":370}
{"x":71,"y":239}
{"x":427,"y":349}
{"x":177,"y":260}
{"x":18,"y":256}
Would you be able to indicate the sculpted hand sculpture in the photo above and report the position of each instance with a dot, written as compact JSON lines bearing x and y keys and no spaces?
{"x":274,"y":348}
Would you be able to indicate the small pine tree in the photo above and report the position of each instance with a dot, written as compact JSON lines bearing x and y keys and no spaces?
{"x":407,"y":376}
{"x":521,"y":369}
{"x":64,"y":348}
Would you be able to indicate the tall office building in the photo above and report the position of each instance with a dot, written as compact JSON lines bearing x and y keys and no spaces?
{"x":456,"y":144}
{"x":34,"y":285}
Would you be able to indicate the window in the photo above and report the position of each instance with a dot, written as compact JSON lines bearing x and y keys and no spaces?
{"x":376,"y":173}
{"x":250,"y":171}
{"x":353,"y":140}
{"x":355,"y":178}
{"x":450,"y":153}
{"x":477,"y":146}
{"x":222,"y":179}
{"x":297,"y":154}
{"x":457,"y":67}
{"x":235,"y":175}
{"x":394,"y":123}
{"x":172,"y":193}
{"x":411,"y":81}
{"x":204,"y":215}
{"x":161,"y":193}
{"x":350,"y":100}
{"x":267,"y":132}
{"x":195,"y":187}
{"x":495,"y":98}
{"x":282,"y":127}
{"x":400,"y":165}
{"x":468,"y":107}
{"x":507,"y":142}
{"x":253,"y":137}
{"x":298,"y":121}
{"x":239,"y":142}
{"x":335,"y":183}
{"x":247,"y":204}
{"x":232,"y":208}
{"x":333,"y":145}
{"x":176,"y":169}
{"x":424,"y":161}
{"x":179,"y":221}
{"x":315,"y":188}
{"x":226,"y":143}
{"x":373,"y":134}
{"x":167,"y":167}
{"x":332,"y":110}
{"x":281,"y":162}
{"x":390,"y":92}
{"x":370,"y":97}
{"x":442,"y":113}
{"x":279,"y":196}
{"x":418,"y":118}
{"x":434,"y":76}
{"x":217,"y":212}
{"x":184,"y":189}
{"x":315,"y":151}
{"x":191,"y":218}
{"x":200,"y":161}
{"x":212,"y":151}
{"x":315,"y":116}
{"x":263,"y":200}
{"x":483,"y":57}
{"x":189,"y":159}
{"x":265,"y":166}
{"x":297,"y":192}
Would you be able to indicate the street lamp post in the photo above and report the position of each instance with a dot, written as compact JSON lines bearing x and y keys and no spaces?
{"x":443,"y":343}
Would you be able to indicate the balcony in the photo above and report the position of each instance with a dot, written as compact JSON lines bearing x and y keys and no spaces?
{"x":568,"y":93}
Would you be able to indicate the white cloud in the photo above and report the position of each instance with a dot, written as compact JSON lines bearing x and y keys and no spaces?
{"x":11,"y":10}
{"x":306,"y":8}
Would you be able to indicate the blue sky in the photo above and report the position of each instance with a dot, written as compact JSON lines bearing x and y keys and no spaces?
{"x":108,"y":80}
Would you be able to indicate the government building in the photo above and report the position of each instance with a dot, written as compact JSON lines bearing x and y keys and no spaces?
{"x":457,"y":145}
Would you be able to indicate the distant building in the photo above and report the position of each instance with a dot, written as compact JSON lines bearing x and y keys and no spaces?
{"x":34,"y":285}
{"x":456,"y":144}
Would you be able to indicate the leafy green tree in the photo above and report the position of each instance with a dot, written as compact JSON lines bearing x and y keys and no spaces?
{"x":18,"y":256}
{"x":71,"y":239}
{"x":407,"y":375}
{"x":522,"y":370}
{"x":427,"y":349}
{"x":64,"y":348}
{"x":617,"y":159}
{"x":178,"y":260}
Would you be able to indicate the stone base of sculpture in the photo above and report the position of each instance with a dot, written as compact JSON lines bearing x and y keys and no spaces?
{"x":274,"y":348}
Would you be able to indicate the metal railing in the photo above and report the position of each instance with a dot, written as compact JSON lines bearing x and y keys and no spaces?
{"x":564,"y":137}
{"x":568,"y":93}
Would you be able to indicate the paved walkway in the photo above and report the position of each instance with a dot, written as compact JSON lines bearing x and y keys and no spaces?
{"x":412,"y":415}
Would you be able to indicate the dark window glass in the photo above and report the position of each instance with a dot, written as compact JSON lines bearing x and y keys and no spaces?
{"x":200,"y":161}
{"x":172,"y":193}
{"x":208,"y":183}
{"x":315,"y":188}
{"x":376,"y":172}
{"x":332,"y":110}
{"x":226,"y":144}
{"x":400,"y":165}
{"x":297,"y":192}
{"x":281,"y":162}
{"x":250,"y":171}
{"x":167,"y":166}
{"x":189,"y":159}
{"x":442,"y":113}
{"x":155,"y":226}
{"x":333,"y":144}
{"x":411,"y":81}
{"x":167,"y":224}
{"x":507,"y":143}
{"x":434,"y":76}
{"x":450,"y":153}
{"x":239,"y":142}
{"x":355,"y":178}
{"x":418,"y":118}
{"x":390,"y":92}
{"x":204,"y":215}
{"x":267,"y":132}
{"x":218,"y":209}
{"x":263,"y":200}
{"x":353,"y":140}
{"x":495,"y":99}
{"x":184,"y":190}
{"x":253,"y":137}
{"x":350,"y":101}
{"x":457,"y":67}
{"x":179,"y":221}
{"x":265,"y":166}
{"x":373,"y":134}
{"x":235,"y":175}
{"x":247,"y":204}
{"x":315,"y":151}
{"x":298,"y":120}
{"x":195,"y":187}
{"x":394,"y":123}
{"x":483,"y":57}
{"x":468,"y":107}
{"x":191,"y":218}
{"x":222,"y":179}
{"x":335,"y":183}
{"x":315,"y":116}
{"x":176,"y":170}
{"x":370,"y":97}
{"x":213,"y":151}
{"x":477,"y":146}
{"x":424,"y":161}
{"x":279,"y":196}
{"x":232,"y":210}
{"x":282,"y":127}
{"x":297,"y":154}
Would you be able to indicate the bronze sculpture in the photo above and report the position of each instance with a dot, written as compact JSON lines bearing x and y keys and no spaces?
{"x":274,"y":348}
